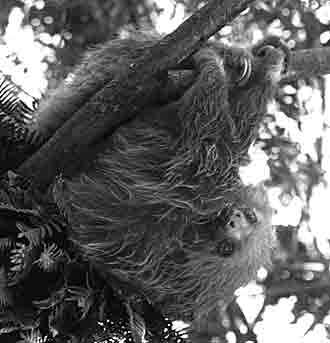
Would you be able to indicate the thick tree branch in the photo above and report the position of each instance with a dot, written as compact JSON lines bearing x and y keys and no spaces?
{"x":311,"y":62}
{"x":303,"y":63}
{"x":124,"y":96}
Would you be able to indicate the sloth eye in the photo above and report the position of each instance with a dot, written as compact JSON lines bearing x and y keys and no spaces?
{"x":226,"y":248}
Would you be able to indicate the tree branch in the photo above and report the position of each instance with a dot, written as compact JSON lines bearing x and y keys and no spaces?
{"x":307,"y":63}
{"x":124,"y":96}
{"x":303,"y":63}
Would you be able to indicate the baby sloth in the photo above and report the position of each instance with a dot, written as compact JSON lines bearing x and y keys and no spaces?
{"x":163,"y":206}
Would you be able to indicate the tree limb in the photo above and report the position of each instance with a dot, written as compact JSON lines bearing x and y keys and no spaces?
{"x":303,"y":63}
{"x":307,"y":63}
{"x":124,"y":96}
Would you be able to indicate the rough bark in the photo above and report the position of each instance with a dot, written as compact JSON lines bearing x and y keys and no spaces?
{"x":311,"y":62}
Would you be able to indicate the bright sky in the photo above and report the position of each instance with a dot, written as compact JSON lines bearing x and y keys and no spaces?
{"x":171,"y":17}
{"x":20,"y":40}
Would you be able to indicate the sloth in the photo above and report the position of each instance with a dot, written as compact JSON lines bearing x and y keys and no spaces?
{"x":162,"y":206}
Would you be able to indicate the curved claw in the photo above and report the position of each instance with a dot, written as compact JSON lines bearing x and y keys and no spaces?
{"x":246,"y":72}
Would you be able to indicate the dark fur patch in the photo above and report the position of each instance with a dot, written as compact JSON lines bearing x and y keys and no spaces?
{"x":154,"y":207}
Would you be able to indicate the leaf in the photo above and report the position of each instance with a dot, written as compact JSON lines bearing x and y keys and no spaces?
{"x":49,"y":257}
{"x":32,"y":336}
{"x":5,"y":244}
{"x":5,"y":294}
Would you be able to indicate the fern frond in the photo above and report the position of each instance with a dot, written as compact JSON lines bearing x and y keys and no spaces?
{"x":84,"y":298}
{"x":32,"y":336}
{"x":19,"y":257}
{"x":5,"y":295}
{"x":11,"y":101}
{"x":33,"y":235}
{"x":49,"y":257}
{"x":36,"y":235}
{"x":5,"y":244}
{"x":56,"y":298}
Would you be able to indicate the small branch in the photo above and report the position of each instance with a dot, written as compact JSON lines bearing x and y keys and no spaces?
{"x":123,"y":97}
{"x":307,"y":63}
{"x":290,"y":287}
{"x":312,"y":62}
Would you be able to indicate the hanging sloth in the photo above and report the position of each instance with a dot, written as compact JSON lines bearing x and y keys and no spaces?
{"x":162,"y":206}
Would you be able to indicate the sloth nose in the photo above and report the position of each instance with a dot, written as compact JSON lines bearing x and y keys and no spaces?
{"x":226,"y":248}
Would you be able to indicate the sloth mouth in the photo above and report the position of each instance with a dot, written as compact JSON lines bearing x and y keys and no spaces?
{"x":222,"y":236}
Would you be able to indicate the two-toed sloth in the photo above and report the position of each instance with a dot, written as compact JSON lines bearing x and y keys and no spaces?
{"x":163,"y":205}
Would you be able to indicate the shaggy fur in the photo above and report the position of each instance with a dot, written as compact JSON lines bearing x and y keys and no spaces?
{"x":160,"y":204}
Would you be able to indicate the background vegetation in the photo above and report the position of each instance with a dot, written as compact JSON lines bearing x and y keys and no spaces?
{"x":292,"y":154}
